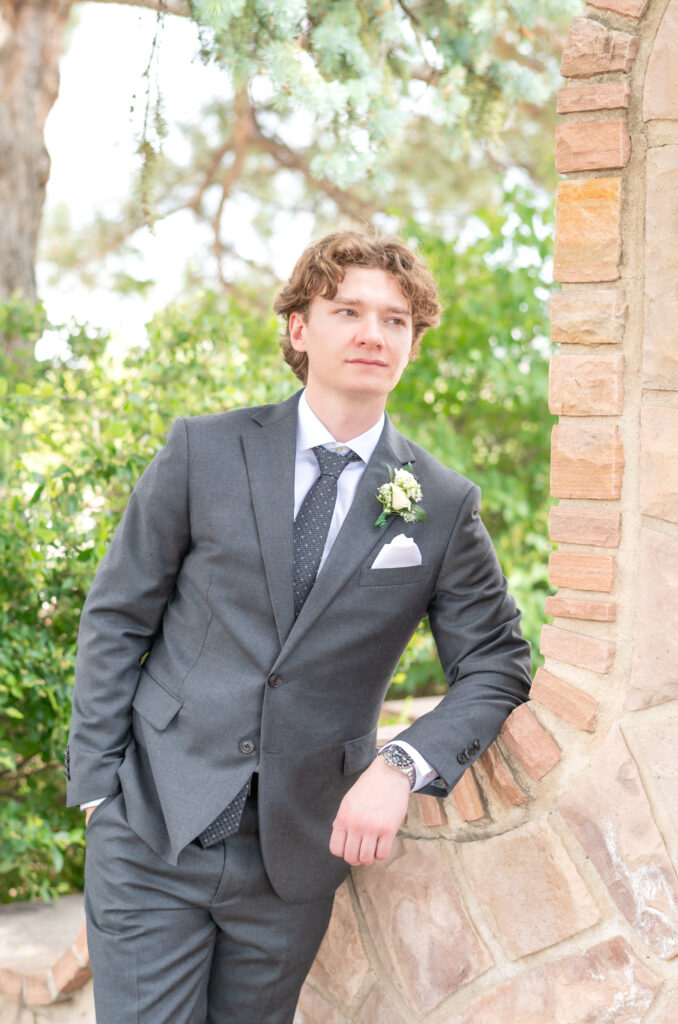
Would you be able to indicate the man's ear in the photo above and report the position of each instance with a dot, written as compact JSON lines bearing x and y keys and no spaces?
{"x":297,"y":328}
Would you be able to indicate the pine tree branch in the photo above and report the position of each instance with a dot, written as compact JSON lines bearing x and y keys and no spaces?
{"x":181,"y":8}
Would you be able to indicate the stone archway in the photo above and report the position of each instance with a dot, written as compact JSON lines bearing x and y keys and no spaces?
{"x":545,"y":890}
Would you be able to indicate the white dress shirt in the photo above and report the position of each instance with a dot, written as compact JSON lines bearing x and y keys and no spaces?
{"x":311,"y":433}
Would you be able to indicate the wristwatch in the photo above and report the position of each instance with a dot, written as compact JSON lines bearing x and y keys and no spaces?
{"x":399,"y":759}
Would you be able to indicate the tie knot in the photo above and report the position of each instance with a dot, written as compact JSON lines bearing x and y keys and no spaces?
{"x":331,"y":463}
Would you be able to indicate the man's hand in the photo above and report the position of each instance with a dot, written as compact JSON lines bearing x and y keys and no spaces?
{"x":370,"y":815}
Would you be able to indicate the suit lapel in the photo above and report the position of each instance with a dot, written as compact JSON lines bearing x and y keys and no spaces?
{"x":270,"y":451}
{"x":358,"y":534}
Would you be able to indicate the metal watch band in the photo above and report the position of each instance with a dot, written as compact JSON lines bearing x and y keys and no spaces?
{"x":397,"y":758}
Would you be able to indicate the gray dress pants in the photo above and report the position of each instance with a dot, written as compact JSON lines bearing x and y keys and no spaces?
{"x":207,"y":941}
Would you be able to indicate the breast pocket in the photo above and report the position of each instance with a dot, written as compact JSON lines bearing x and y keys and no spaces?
{"x":408,"y":574}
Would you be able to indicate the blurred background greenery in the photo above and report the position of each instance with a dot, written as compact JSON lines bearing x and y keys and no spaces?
{"x":441,"y":129}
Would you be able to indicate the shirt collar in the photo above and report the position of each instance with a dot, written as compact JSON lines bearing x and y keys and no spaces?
{"x":311,"y":432}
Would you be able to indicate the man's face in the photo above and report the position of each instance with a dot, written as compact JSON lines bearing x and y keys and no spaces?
{"x":358,"y":342}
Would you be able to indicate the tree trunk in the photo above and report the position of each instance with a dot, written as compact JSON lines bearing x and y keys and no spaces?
{"x":30,"y":46}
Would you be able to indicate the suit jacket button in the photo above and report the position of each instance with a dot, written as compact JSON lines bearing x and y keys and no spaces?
{"x":461,"y":758}
{"x":247,"y":746}
{"x":476,"y":744}
{"x":274,"y":680}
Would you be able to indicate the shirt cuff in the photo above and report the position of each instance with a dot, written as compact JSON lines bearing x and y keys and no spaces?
{"x":426,"y":773}
{"x":92,"y":803}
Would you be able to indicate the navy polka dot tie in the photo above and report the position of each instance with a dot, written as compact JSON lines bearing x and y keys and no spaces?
{"x":313,"y":521}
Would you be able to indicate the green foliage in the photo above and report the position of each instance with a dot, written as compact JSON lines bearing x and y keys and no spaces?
{"x":76,"y":433}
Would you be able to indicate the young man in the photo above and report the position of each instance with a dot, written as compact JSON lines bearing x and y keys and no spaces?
{"x":236,"y":646}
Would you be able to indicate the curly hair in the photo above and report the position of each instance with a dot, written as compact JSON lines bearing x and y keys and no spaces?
{"x":321,"y":268}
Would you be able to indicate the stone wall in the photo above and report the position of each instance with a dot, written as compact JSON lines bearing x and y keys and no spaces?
{"x":544,"y":890}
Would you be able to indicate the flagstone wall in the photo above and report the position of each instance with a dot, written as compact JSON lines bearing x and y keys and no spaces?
{"x":544,"y":890}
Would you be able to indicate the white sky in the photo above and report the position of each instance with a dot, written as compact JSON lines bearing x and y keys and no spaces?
{"x":92,"y":138}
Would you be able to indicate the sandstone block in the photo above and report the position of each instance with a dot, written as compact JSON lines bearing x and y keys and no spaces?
{"x":660,"y":94}
{"x":529,"y":742}
{"x":577,"y":649}
{"x":432,"y":810}
{"x":11,"y":984}
{"x":501,"y":777}
{"x":467,"y":798}
{"x":574,"y":525}
{"x":341,"y":964}
{"x":414,"y":911}
{"x":592,"y":49}
{"x":315,"y":1009}
{"x":569,"y":608}
{"x":580,"y":989}
{"x":608,"y":811}
{"x":378,"y":1008}
{"x":587,"y":461}
{"x":529,"y":888}
{"x":630,"y":8}
{"x":654,"y":670}
{"x":659,"y":463}
{"x":68,"y":975}
{"x":660,"y":351}
{"x":589,"y":385}
{"x":670,"y":1010}
{"x":581,"y":571}
{"x":593,"y":96}
{"x":588,"y":316}
{"x":588,"y":237}
{"x":592,"y":145}
{"x":37,"y":991}
{"x":659,"y":742}
{"x":567,"y":701}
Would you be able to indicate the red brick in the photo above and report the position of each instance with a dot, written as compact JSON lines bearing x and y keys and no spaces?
{"x":527,"y":740}
{"x":501,"y":778}
{"x":592,"y":145}
{"x":588,"y":385}
{"x":594,"y":96}
{"x":432,"y":810}
{"x":587,"y":460}
{"x":68,"y":975}
{"x":660,"y":88}
{"x":570,"y":524}
{"x":588,"y":316}
{"x":588,"y":233}
{"x":567,"y":701}
{"x":467,"y":798}
{"x":592,"y":49}
{"x":581,"y":571}
{"x":569,"y":608}
{"x":37,"y":990}
{"x":577,"y":649}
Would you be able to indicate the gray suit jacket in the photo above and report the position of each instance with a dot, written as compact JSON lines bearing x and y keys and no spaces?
{"x":191,"y":668}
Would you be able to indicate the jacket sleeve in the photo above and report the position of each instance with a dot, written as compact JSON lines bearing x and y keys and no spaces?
{"x":476,"y":626}
{"x":121,"y":617}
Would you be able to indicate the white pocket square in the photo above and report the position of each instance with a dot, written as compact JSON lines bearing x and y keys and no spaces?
{"x":401,"y":552}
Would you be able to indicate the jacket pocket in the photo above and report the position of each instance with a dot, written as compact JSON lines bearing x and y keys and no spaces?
{"x":154,"y":703}
{"x":360,"y":752}
{"x":392,"y":577}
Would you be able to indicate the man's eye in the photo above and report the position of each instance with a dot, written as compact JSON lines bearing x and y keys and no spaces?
{"x":346,"y":312}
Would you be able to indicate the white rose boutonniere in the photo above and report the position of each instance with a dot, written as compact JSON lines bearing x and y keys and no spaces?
{"x":400,"y":497}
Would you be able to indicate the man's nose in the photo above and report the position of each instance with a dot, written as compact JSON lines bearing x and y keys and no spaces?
{"x":370,"y":332}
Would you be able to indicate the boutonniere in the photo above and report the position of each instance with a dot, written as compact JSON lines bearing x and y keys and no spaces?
{"x":400,"y":497}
